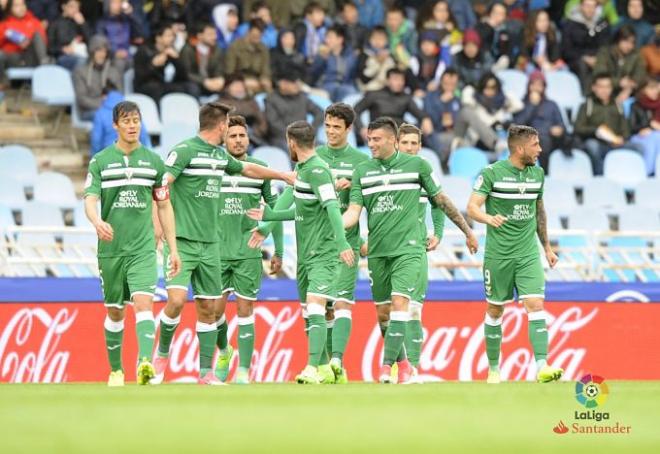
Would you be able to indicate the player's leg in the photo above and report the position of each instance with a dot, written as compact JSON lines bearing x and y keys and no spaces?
{"x":226,"y":351}
{"x":498,"y":286}
{"x":530,"y":283}
{"x":246,"y":282}
{"x":114,"y":297}
{"x":343,"y":315}
{"x":325,"y":371}
{"x":414,"y":332}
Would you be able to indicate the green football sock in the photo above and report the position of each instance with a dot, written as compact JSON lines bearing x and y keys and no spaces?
{"x":221,"y":341}
{"x":245,"y":341}
{"x":341,"y":332}
{"x":413,"y":341}
{"x":146,"y":334}
{"x":167,"y":328}
{"x":317,"y":334}
{"x":394,"y":337}
{"x":114,"y":333}
{"x":206,"y":334}
{"x":325,"y":357}
{"x":493,"y":338}
{"x":538,"y":336}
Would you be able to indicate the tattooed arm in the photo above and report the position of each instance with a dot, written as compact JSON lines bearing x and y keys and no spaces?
{"x":446,"y":205}
{"x":542,"y":232}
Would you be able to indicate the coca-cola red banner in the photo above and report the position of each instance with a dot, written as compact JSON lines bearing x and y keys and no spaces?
{"x":63,"y":342}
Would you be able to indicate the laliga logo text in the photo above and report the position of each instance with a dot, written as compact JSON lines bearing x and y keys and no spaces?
{"x":448,"y":348}
{"x":29,"y":355}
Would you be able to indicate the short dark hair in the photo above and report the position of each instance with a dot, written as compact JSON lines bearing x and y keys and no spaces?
{"x":378,"y":29}
{"x":407,"y":128}
{"x":311,"y":7}
{"x":199,"y":28}
{"x":338,"y":30}
{"x":124,"y":108}
{"x":212,"y":113}
{"x":520,"y":133}
{"x":624,"y":33}
{"x":341,"y":110}
{"x":257,"y":23}
{"x":256,"y":6}
{"x":451,"y":71}
{"x":396,"y":8}
{"x":601,"y":75}
{"x":483,"y":81}
{"x":237,"y":120}
{"x":395,"y":71}
{"x":302,"y":133}
{"x":387,"y":123}
{"x":160,"y":30}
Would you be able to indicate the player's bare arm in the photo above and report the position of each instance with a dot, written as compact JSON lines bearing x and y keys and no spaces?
{"x":352,"y":215}
{"x":542,"y":232}
{"x":166,"y":216}
{"x":252,"y":170}
{"x":475,"y":212}
{"x":103,"y":229}
{"x":445,"y":204}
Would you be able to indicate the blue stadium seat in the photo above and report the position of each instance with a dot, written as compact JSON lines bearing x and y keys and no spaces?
{"x":78,"y":245}
{"x":458,"y":189}
{"x":129,"y":77}
{"x":601,"y":193}
{"x":559,"y":197}
{"x":638,"y":218}
{"x":149,"y":112}
{"x":320,"y":101}
{"x":646,"y":193}
{"x":20,"y":73}
{"x":467,"y":162}
{"x":433,"y":159}
{"x":626,"y":167}
{"x":56,"y":189}
{"x":35,"y":245}
{"x":78,"y":122}
{"x":276,"y":158}
{"x":179,"y":108}
{"x":364,"y":149}
{"x":589,"y":219}
{"x":174,"y":133}
{"x":260,"y":98}
{"x":52,"y":85}
{"x":514,"y":82}
{"x":12,"y":194}
{"x":18,"y":162}
{"x":576,"y":168}
{"x":563,"y":87}
{"x":353,"y":99}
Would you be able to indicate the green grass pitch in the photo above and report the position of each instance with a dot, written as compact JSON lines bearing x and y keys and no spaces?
{"x":289,"y":418}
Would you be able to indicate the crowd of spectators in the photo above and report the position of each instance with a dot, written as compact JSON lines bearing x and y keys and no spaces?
{"x":434,"y":60}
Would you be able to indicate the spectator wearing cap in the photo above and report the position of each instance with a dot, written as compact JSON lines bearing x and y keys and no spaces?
{"x":261,"y":10}
{"x":286,"y":104}
{"x":236,"y":94}
{"x":225,"y":18}
{"x":443,"y":106}
{"x":472,"y":63}
{"x":91,"y":79}
{"x":287,"y":59}
{"x":310,"y":32}
{"x":251,"y":58}
{"x":430,"y":62}
{"x":122,"y":28}
{"x":68,"y":35}
{"x":335,"y":66}
{"x":375,"y":61}
{"x":544,"y":115}
{"x":202,"y":60}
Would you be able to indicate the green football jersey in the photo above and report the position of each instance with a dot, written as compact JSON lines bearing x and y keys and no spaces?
{"x":390,"y":190}
{"x":198,"y":168}
{"x":313,"y":190}
{"x":126,"y":185}
{"x":512,"y":193}
{"x":342,"y":162}
{"x":239,"y":194}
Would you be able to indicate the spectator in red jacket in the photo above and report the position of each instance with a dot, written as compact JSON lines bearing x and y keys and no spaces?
{"x":22,"y":38}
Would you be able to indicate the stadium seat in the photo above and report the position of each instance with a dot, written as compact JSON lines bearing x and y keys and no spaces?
{"x":603,"y":194}
{"x":433,"y":159}
{"x":588,"y":219}
{"x":260,"y":98}
{"x":18,"y":162}
{"x":563,"y":87}
{"x":657,"y":167}
{"x":647,"y":193}
{"x":129,"y":77}
{"x":320,"y":101}
{"x":458,"y":189}
{"x":12,"y":194}
{"x":626,"y":167}
{"x":6,"y":220}
{"x":353,"y":99}
{"x":179,"y":108}
{"x":173,"y":134}
{"x":36,"y":245}
{"x":558,"y":197}
{"x":20,"y":73}
{"x":576,"y":168}
{"x":78,"y":245}
{"x":52,"y":85}
{"x":467,"y":162}
{"x":364,"y":149}
{"x":149,"y":112}
{"x":638,"y":219}
{"x":276,"y":158}
{"x":514,"y":82}
{"x":56,"y":189}
{"x":78,"y":122}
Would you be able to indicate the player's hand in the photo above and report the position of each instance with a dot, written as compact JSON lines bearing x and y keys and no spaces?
{"x":347,"y":256}
{"x":275,"y":265}
{"x":289,"y":177}
{"x":551,"y":257}
{"x":364,"y":249}
{"x":174,"y":263}
{"x":432,"y":243}
{"x":104,"y":231}
{"x":472,"y":243}
{"x":496,"y":221}
{"x":256,"y":214}
{"x":256,"y":239}
{"x":342,"y":184}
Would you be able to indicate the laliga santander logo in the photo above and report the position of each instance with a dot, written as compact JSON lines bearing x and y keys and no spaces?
{"x":43,"y":363}
{"x":591,"y":391}
{"x":448,"y":349}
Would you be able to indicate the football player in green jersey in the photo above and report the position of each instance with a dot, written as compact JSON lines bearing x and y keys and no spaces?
{"x":195,"y":170}
{"x":126,"y":177}
{"x":389,"y":187}
{"x":513,"y":193}
{"x":241,"y":265}
{"x":320,"y":238}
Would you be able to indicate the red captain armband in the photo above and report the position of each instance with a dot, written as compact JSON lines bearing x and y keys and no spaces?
{"x":161,"y":194}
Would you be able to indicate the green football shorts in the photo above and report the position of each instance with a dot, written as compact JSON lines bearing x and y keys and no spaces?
{"x":346,"y":279}
{"x":242,"y":277}
{"x":317,"y":278}
{"x":423,"y":281}
{"x":501,"y":276}
{"x":398,"y":275}
{"x":200,"y":265}
{"x":126,"y":276}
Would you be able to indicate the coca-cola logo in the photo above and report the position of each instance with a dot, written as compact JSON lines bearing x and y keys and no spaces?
{"x":29,"y":346}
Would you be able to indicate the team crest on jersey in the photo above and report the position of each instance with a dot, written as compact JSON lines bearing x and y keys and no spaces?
{"x":234,"y":183}
{"x":129,"y":174}
{"x":214,"y":165}
{"x":386,"y":180}
{"x":522,"y":189}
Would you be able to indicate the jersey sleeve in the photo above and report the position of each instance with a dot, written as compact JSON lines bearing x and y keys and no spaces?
{"x":178,"y":159}
{"x":93,"y":180}
{"x":355,"y":196}
{"x":161,"y":189}
{"x":430,"y":182}
{"x":542,"y":184}
{"x":484,"y":182}
{"x":234,"y":166}
{"x":322,"y":184}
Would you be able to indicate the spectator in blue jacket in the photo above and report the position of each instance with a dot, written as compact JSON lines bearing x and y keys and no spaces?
{"x":103,"y":133}
{"x":260,"y":10}
{"x":225,"y":18}
{"x":122,"y":28}
{"x":371,"y":12}
{"x":542,"y":114}
{"x":334,"y":68}
{"x":443,"y":107}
